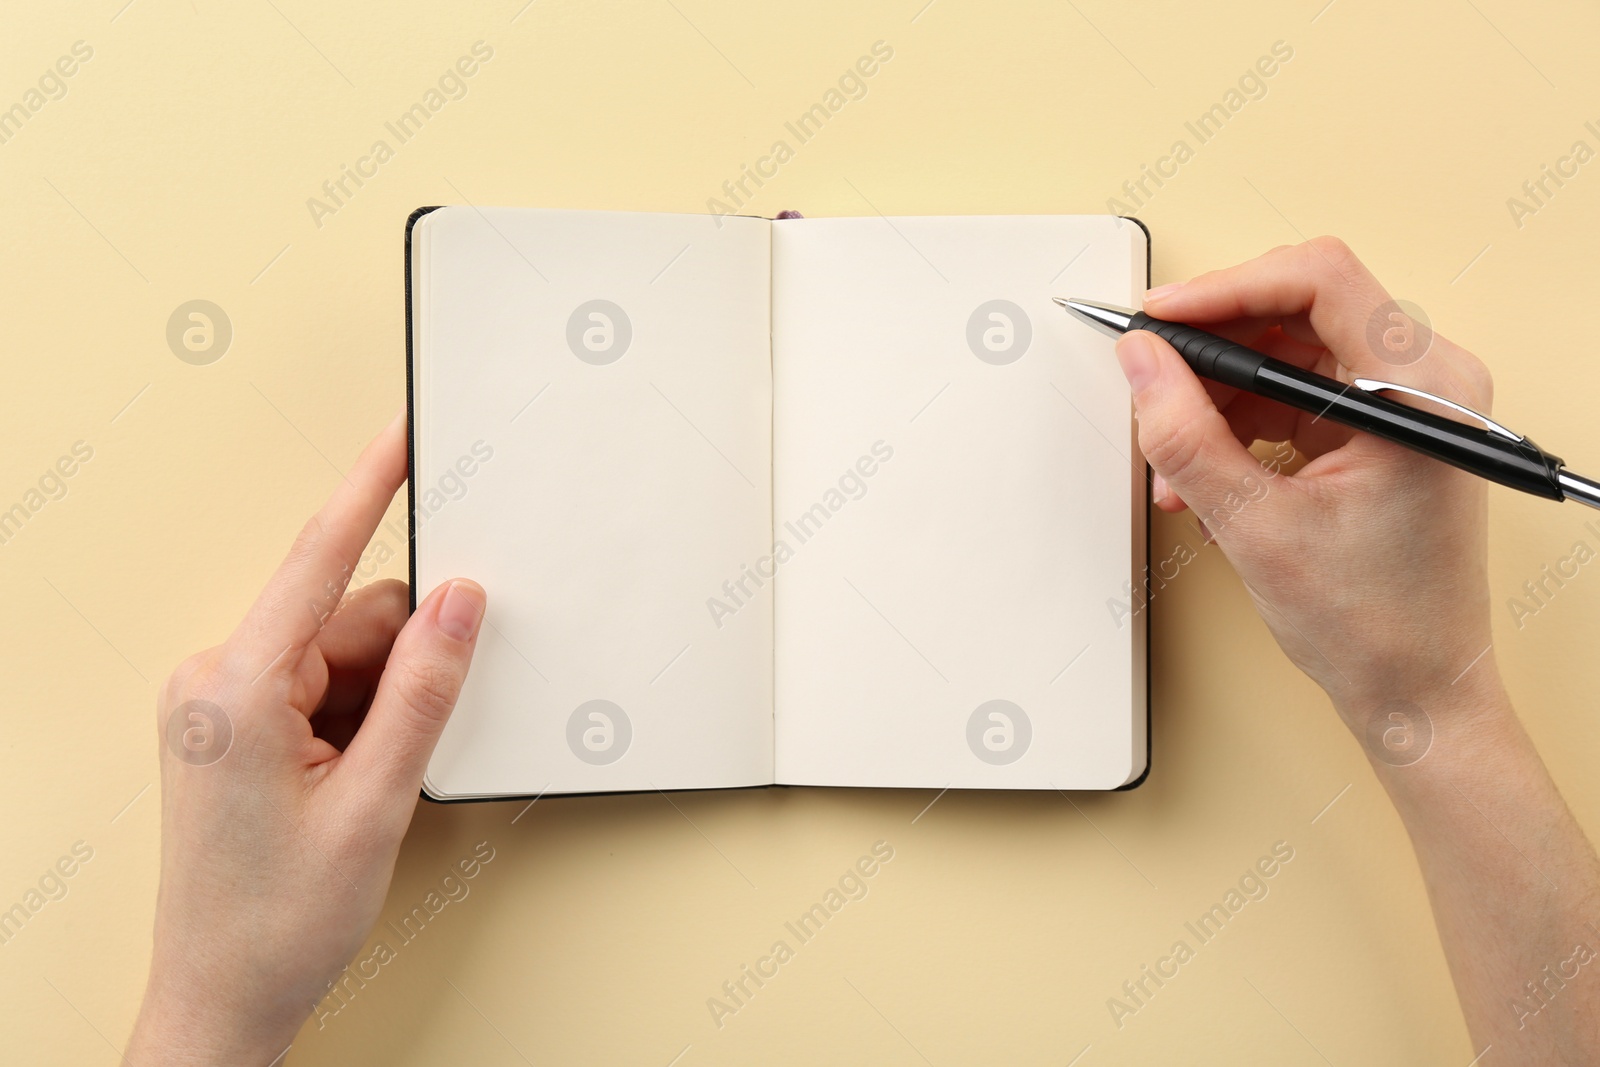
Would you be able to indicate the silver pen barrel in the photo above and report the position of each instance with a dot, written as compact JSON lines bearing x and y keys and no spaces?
{"x":1578,"y":488}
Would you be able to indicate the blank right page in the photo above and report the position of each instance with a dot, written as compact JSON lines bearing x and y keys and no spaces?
{"x":959,"y":505}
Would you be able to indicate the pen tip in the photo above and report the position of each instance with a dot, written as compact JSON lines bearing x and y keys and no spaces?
{"x":1107,"y":318}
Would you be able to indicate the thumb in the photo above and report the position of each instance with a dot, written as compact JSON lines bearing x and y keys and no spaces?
{"x":418,"y":689}
{"x":1185,"y":438}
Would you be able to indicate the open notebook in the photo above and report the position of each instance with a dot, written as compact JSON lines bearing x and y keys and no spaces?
{"x":836,"y":502}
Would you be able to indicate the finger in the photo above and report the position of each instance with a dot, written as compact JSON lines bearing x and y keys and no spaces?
{"x":311,"y":580}
{"x":418,"y":690}
{"x":1256,"y":419}
{"x":1320,"y":279}
{"x":1185,"y":438}
{"x":354,"y":644}
{"x":361,"y":633}
{"x":1252,"y":419}
{"x":1162,"y":496}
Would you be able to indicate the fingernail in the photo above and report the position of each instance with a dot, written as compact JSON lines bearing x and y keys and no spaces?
{"x":1138,"y":360}
{"x":1206,"y":536}
{"x":461,"y":611}
{"x":1162,"y":291}
{"x":1158,"y":489}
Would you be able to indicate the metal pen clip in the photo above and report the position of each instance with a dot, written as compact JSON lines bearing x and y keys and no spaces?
{"x":1372,"y":385}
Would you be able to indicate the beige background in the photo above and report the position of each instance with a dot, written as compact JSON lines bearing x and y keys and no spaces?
{"x":178,"y":167}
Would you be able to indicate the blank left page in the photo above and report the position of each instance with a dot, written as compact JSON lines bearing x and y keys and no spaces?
{"x":593,"y":432}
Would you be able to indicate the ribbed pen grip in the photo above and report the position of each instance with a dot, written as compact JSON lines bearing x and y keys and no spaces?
{"x":1209,"y":355}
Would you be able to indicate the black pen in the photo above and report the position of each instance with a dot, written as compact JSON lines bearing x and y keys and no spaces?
{"x":1486,"y":449}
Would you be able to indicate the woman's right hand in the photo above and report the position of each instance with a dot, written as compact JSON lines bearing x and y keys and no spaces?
{"x":1369,"y":563}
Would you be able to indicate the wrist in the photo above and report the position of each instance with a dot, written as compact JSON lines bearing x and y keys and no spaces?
{"x":1401,"y":728}
{"x":185,"y":1025}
